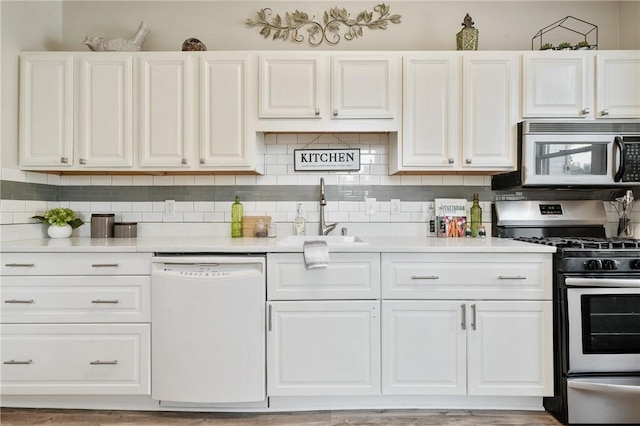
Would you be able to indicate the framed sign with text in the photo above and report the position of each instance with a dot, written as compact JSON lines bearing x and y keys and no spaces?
{"x":326,"y":160}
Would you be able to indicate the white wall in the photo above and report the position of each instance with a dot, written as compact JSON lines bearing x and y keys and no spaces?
{"x":426,"y":25}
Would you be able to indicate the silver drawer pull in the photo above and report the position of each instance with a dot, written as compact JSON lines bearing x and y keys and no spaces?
{"x":98,"y":362}
{"x":427,"y":277}
{"x":14,"y":362}
{"x":98,"y":301}
{"x":511,"y":277}
{"x":19,"y":265}
{"x":104,"y":265}
{"x":18,"y":301}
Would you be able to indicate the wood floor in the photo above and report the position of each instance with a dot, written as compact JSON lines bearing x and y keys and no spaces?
{"x":13,"y":416}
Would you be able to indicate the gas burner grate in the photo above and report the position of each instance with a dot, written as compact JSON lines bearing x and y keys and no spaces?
{"x":585,"y":242}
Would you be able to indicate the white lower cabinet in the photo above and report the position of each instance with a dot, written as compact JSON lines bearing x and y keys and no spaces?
{"x":75,"y":359}
{"x":452,"y":347}
{"x":323,"y":348}
{"x":75,"y":324}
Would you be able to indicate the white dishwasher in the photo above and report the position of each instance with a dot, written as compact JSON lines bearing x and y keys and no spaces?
{"x":208,"y":328}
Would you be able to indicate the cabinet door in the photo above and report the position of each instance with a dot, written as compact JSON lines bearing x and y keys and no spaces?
{"x":491,"y":85}
{"x":618,"y":84}
{"x":323,"y":348}
{"x":164,"y":110}
{"x":46,"y":110}
{"x":290,"y":86}
{"x":423,"y":348}
{"x":227,"y":140}
{"x":510,"y":348}
{"x":105,"y":111}
{"x":556,"y":84}
{"x":431,"y":105}
{"x":364,"y":86}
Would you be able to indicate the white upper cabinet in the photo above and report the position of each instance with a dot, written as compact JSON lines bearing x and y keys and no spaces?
{"x":460,"y":111}
{"x":46,"y":111}
{"x":164,"y":110}
{"x":324,"y":92}
{"x":556,"y":84}
{"x":228,"y":140}
{"x":363,"y":87}
{"x":290,"y":86}
{"x":491,"y":84}
{"x":431,"y":105}
{"x":618,"y":84}
{"x":581,"y":84}
{"x":104,"y":113}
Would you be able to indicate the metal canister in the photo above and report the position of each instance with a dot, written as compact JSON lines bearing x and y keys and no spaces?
{"x":125,"y":230}
{"x":102,"y":225}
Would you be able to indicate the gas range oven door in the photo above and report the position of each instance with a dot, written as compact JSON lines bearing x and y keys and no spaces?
{"x":604,"y":326}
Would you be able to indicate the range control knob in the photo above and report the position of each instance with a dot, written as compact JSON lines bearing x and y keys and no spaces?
{"x":609,"y":264}
{"x":635,"y":264}
{"x":594,"y":264}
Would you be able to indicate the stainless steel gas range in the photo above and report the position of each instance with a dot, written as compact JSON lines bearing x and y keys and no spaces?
{"x":596,"y":308}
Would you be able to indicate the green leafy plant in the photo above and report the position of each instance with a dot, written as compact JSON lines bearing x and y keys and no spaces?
{"x":546,"y":46}
{"x":60,"y":216}
{"x":564,"y":45}
{"x":582,"y":44}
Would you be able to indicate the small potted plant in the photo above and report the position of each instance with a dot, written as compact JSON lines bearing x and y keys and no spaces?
{"x":583,"y":45}
{"x":564,"y":46}
{"x":546,"y":46}
{"x":62,"y":221}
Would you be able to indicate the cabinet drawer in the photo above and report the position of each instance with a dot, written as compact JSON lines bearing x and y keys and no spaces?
{"x":348,"y":276}
{"x":75,"y":299}
{"x":466,"y":276}
{"x":76,"y":264}
{"x":75,"y":359}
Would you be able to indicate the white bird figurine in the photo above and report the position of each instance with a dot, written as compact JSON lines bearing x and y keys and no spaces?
{"x":114,"y":44}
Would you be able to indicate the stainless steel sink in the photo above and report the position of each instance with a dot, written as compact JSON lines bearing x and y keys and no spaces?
{"x":332,"y":240}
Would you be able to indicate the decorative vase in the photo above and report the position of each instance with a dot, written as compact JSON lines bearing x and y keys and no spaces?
{"x":55,"y":231}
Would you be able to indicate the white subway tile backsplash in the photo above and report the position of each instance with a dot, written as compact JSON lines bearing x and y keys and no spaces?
{"x":287,"y":138}
{"x":411,"y":180}
{"x":101,"y":180}
{"x":452,"y":180}
{"x":193,"y":217}
{"x":33,"y":177}
{"x":142,"y":180}
{"x":131,"y":217}
{"x":473,"y":180}
{"x":142,"y":206}
{"x":266,"y":180}
{"x":203,"y":206}
{"x":100,"y":207}
{"x":225,"y":180}
{"x":163,"y":180}
{"x":121,"y":206}
{"x":245,"y":180}
{"x":184,"y":206}
{"x":213,"y":217}
{"x":432,"y":180}
{"x":287,"y":180}
{"x":183,"y":180}
{"x":203,"y":180}
{"x":121,"y":180}
{"x":13,"y":175}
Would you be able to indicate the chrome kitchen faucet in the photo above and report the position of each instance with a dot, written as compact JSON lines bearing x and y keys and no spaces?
{"x":324,"y":227}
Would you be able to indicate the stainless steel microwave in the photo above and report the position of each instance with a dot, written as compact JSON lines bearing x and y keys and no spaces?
{"x":575,"y":153}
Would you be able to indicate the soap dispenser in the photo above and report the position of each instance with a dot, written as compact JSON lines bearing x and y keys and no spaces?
{"x":299,"y":224}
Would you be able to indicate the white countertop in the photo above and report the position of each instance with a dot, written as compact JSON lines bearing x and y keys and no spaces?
{"x":267,"y":245}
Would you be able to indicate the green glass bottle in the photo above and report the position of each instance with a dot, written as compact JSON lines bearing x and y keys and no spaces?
{"x":476,"y":216}
{"x":237,"y":211}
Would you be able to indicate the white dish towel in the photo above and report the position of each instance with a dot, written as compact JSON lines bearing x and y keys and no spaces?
{"x":316,"y":254}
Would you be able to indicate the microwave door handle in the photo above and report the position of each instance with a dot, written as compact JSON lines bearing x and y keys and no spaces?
{"x":619,"y":145}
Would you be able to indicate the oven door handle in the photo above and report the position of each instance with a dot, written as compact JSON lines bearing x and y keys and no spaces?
{"x":604,"y":387}
{"x":601,"y":282}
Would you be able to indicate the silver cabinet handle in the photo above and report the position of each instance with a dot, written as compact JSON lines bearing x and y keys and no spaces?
{"x":335,"y":112}
{"x":19,"y":301}
{"x":64,"y":160}
{"x":451,"y":160}
{"x":202,"y":161}
{"x":473,"y":316}
{"x":463,"y":323}
{"x":317,"y":111}
{"x":269,"y":319}
{"x":511,"y":277}
{"x":99,"y":301}
{"x":604,"y":112}
{"x":82,"y":161}
{"x":14,"y":362}
{"x":98,"y":362}
{"x":585,"y":111}
{"x":104,"y":265}
{"x":426,"y":277}
{"x":183,"y":161}
{"x":468,"y":161}
{"x":19,"y":265}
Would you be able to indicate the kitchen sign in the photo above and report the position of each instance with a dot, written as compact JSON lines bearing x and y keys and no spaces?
{"x":326,"y":160}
